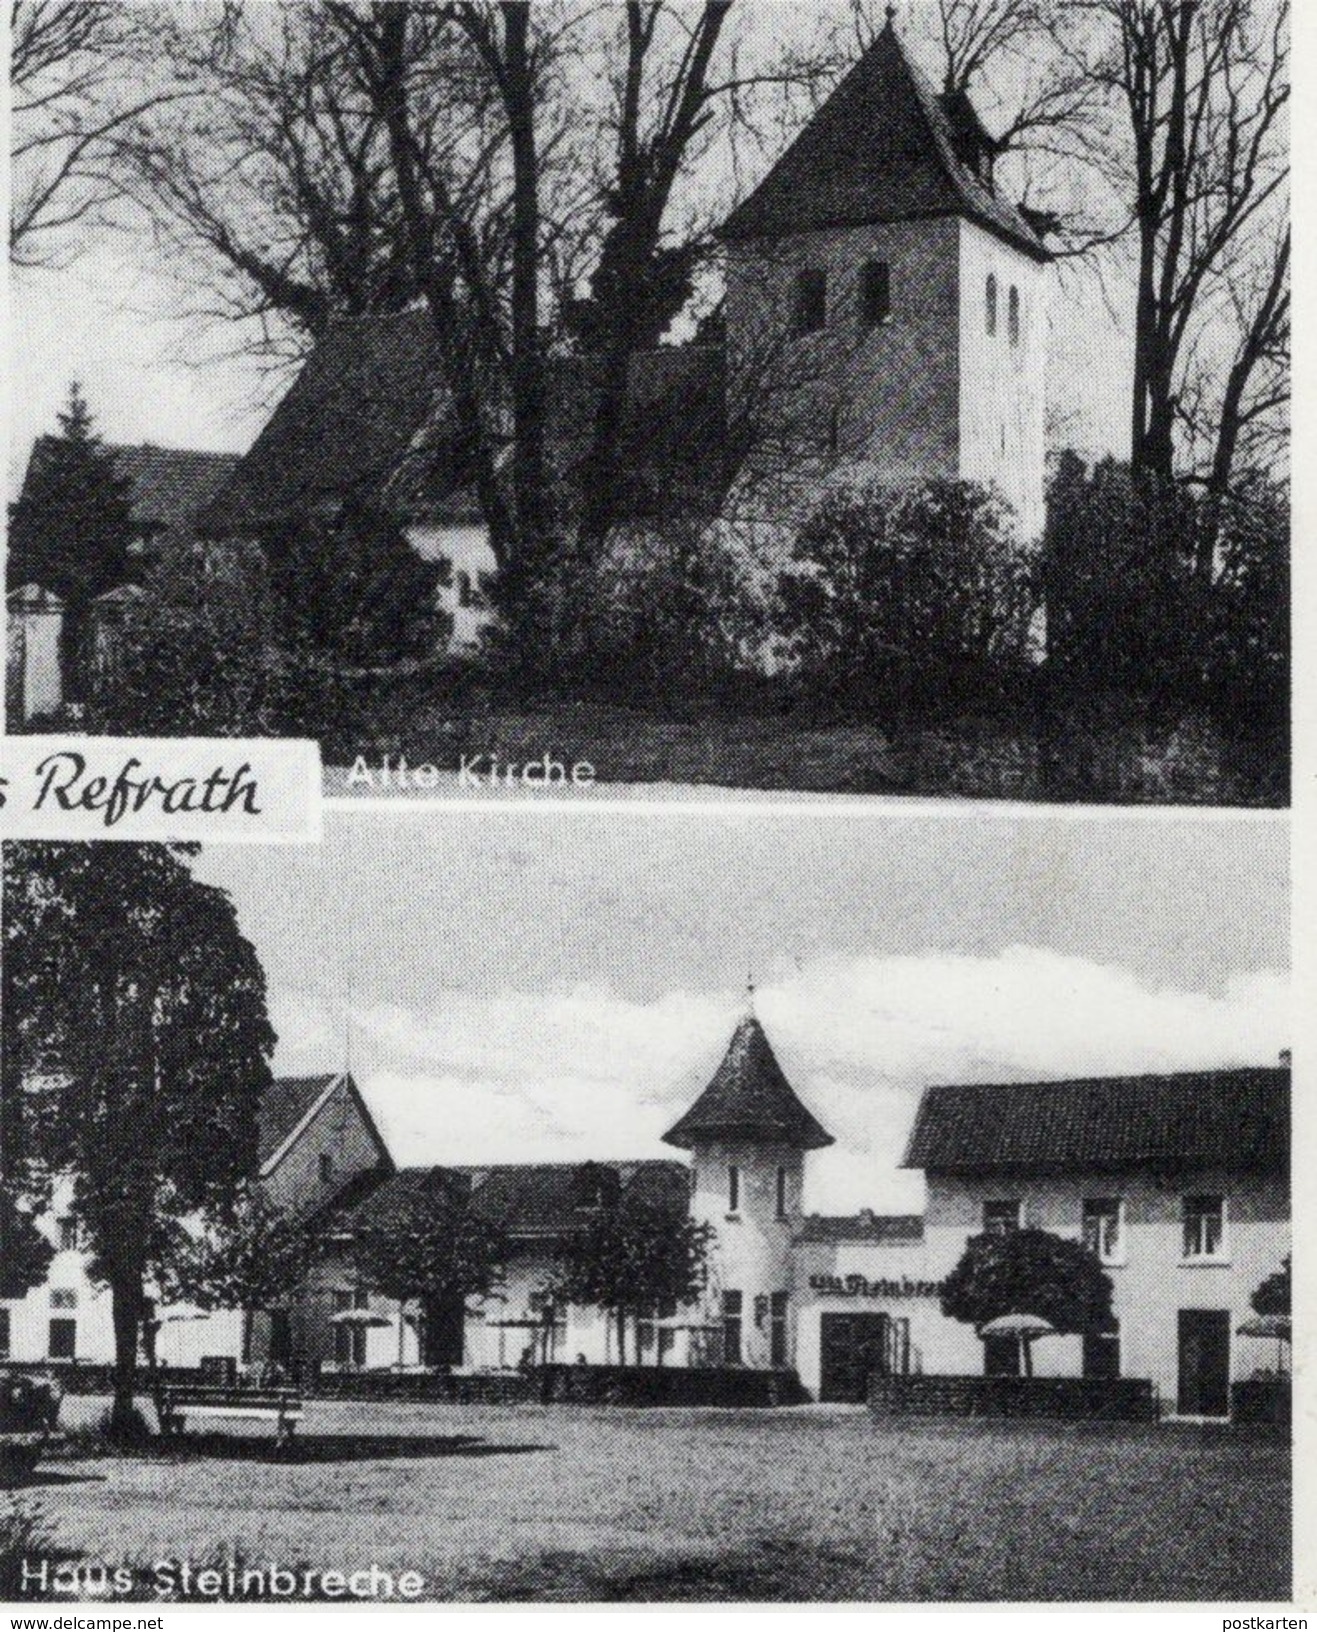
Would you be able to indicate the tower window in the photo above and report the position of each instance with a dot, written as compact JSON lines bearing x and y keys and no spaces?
{"x":1013,"y":316}
{"x":990,"y":303}
{"x":781,"y":1192}
{"x":326,"y":1167}
{"x":733,"y":1188}
{"x":875,"y":293}
{"x":811,"y":311}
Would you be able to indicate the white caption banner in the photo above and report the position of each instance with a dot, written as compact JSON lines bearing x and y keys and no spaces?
{"x":219,"y":790}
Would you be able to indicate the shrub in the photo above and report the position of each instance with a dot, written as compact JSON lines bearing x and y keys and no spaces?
{"x":352,"y":588}
{"x":922,"y":591}
{"x":1124,"y":608}
{"x":24,"y":1533}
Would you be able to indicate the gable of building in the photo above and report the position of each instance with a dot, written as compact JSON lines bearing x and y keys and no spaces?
{"x":1235,"y":1120}
{"x":316,"y":1137}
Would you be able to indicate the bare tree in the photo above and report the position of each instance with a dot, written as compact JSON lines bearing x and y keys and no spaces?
{"x":273,"y":191}
{"x":75,"y":92}
{"x":1201,"y":90}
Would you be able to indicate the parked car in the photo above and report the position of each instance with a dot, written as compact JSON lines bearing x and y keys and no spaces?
{"x":29,"y":1421}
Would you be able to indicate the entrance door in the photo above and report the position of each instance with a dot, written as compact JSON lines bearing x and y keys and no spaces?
{"x":443,"y":1333}
{"x":1204,"y":1363}
{"x":852,"y":1348}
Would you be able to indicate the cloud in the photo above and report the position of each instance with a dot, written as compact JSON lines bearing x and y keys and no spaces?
{"x":523,"y":1076}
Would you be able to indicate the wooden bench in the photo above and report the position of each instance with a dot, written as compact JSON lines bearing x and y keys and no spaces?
{"x":175,"y":1402}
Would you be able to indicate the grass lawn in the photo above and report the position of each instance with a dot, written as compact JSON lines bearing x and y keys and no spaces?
{"x":820,"y":1503}
{"x":1107,"y":752}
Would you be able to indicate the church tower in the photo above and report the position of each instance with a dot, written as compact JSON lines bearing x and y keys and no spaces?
{"x":747,"y":1134}
{"x":885,"y":302}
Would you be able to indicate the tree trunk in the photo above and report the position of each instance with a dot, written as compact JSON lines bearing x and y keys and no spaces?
{"x":126,"y":1302}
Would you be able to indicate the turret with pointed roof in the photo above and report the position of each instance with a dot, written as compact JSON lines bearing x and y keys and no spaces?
{"x":749,"y":1098}
{"x":885,"y":146}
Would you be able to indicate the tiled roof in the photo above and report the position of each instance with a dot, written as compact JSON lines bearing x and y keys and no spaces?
{"x":170,"y":486}
{"x":343,"y":424}
{"x":900,"y":1228}
{"x":369,"y":417}
{"x":749,"y":1096}
{"x":530,"y":1200}
{"x":283,"y":1105}
{"x":883,"y":147}
{"x":1233,"y":1119}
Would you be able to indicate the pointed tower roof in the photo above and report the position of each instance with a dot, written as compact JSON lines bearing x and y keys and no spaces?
{"x":883,"y":147}
{"x":749,"y":1096}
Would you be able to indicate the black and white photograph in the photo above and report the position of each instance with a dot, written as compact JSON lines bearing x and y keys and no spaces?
{"x":681,"y":396}
{"x":632,"y":1210}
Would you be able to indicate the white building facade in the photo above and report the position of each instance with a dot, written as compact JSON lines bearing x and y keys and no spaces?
{"x":1178,"y":1184}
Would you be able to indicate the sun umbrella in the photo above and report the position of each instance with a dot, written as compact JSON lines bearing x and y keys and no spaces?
{"x":1266,"y":1326}
{"x":1276,"y":1327}
{"x":1024,"y":1328}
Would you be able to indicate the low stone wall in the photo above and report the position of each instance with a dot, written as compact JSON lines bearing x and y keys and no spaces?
{"x":1112,"y":1399}
{"x":581,"y":1385}
{"x":672,"y":1385}
{"x":479,"y":1388}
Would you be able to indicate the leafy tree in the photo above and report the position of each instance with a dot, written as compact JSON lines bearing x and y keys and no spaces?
{"x":630,"y":1257}
{"x":71,"y":529}
{"x":1273,"y":1295}
{"x":916,"y":585}
{"x":252,"y":1256}
{"x":137,"y":1037}
{"x":426,"y":1244}
{"x":354,"y":589}
{"x":25,"y":1254}
{"x":1029,"y":1272}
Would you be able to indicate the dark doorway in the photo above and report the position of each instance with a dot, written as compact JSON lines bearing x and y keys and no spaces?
{"x":1001,"y":1357}
{"x":852,"y":1347}
{"x":1102,"y":1352}
{"x":443,"y":1333}
{"x":1204,"y":1363}
{"x":281,"y":1339}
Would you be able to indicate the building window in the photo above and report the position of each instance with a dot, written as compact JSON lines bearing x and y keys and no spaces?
{"x":732,"y":1328}
{"x":811,"y":310}
{"x":875,"y":293}
{"x":1013,"y":316}
{"x":5,"y":1334}
{"x":443,"y":571}
{"x":777,"y":1329}
{"x":68,"y":1234}
{"x":350,"y":1335}
{"x":63,"y":1339}
{"x":1001,"y":1217}
{"x":1102,"y":1352}
{"x":733,"y":1189}
{"x":990,"y":303}
{"x":782,"y":1192}
{"x":326,"y":1167}
{"x":1103,"y":1233}
{"x":63,"y":1297}
{"x":1204,"y":1226}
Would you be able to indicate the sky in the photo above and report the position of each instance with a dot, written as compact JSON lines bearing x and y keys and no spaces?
{"x":125,"y":325}
{"x":512,"y":986}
